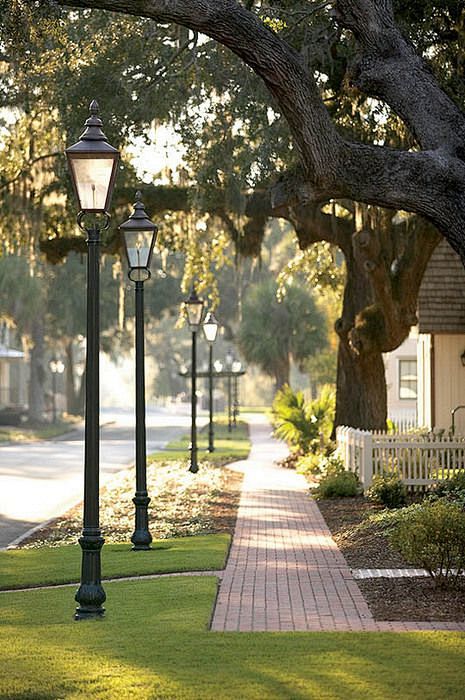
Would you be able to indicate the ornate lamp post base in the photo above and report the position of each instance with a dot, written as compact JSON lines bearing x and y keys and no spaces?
{"x":193,"y":465}
{"x":90,"y":594}
{"x":141,"y":537}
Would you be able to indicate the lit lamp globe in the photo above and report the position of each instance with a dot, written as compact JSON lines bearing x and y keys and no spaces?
{"x":194,"y":310}
{"x":210,"y":327}
{"x":236,"y":366}
{"x":56,"y":366}
{"x":139,"y":234}
{"x":93,"y":163}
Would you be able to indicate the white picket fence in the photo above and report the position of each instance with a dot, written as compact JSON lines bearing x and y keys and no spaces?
{"x":419,"y":459}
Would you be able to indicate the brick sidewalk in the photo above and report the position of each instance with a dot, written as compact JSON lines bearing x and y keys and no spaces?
{"x":285,"y":572}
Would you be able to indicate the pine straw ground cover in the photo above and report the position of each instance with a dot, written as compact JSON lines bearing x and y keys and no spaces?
{"x":182,"y":503}
{"x":365,"y":546}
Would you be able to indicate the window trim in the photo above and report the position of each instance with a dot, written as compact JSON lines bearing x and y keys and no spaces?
{"x":399,"y":378}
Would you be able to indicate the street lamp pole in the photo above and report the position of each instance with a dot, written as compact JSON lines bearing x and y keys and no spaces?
{"x":210,"y":329}
{"x":194,"y":309}
{"x":93,"y":164}
{"x":56,"y":367}
{"x":236,"y":368}
{"x":139,"y":238}
{"x":229,"y":363}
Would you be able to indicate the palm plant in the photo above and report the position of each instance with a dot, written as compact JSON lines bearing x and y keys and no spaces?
{"x":301,"y":423}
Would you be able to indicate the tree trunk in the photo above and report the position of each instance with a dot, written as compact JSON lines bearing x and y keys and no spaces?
{"x":361,"y":397}
{"x":282,"y":373}
{"x":37,"y":378}
{"x":71,"y":394}
{"x":361,"y":390}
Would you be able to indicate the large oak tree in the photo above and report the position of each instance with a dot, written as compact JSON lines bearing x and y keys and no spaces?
{"x":427,"y":178}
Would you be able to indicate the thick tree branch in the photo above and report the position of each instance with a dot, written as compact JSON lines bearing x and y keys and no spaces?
{"x":425,"y":183}
{"x":277,"y":63}
{"x":389,"y":68}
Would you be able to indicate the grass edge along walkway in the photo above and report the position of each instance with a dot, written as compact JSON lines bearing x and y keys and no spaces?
{"x":24,"y":568}
{"x":230,"y":446}
{"x":153,"y":643}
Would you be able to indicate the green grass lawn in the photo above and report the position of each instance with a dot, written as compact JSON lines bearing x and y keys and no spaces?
{"x":43,"y":432}
{"x":20,"y":568}
{"x":229,"y":446}
{"x":154,"y":644}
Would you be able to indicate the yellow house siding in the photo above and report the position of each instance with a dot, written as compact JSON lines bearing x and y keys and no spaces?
{"x":449,"y":380}
{"x":424,"y":400}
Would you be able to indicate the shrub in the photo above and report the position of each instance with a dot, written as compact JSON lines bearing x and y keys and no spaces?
{"x":451,"y":489}
{"x":432,"y":535}
{"x":331,"y":463}
{"x":388,"y":490}
{"x":317,"y":462}
{"x":336,"y":482}
{"x":309,"y":463}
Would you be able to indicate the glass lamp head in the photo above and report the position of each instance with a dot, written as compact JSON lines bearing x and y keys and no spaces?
{"x":93,"y":164}
{"x":56,"y":366}
{"x":139,"y":234}
{"x":194,"y":310}
{"x":210,"y":327}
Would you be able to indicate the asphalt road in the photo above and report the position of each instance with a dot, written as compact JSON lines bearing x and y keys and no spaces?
{"x":41,"y":480}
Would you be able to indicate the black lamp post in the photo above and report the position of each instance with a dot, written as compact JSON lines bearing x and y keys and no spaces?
{"x":93,"y":164}
{"x":210,"y":329}
{"x":139,"y":235}
{"x":56,"y":367}
{"x":229,"y":359}
{"x":194,"y":310}
{"x":236,"y":368}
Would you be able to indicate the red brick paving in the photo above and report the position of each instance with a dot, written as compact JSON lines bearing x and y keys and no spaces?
{"x":285,"y":572}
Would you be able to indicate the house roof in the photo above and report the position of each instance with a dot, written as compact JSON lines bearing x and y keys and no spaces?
{"x":10,"y":354}
{"x":441,"y":301}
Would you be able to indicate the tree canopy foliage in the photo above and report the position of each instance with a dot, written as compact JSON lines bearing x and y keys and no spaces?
{"x":348,"y":101}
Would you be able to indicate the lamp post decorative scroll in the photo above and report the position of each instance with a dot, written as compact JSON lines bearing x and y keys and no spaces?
{"x":210,"y":329}
{"x":93,"y":165}
{"x":139,"y":235}
{"x":194,"y":310}
{"x":139,"y":238}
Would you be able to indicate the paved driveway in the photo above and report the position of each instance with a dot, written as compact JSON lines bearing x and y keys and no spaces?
{"x":40,"y":480}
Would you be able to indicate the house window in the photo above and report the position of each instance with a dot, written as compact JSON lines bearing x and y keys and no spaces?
{"x":407,"y":379}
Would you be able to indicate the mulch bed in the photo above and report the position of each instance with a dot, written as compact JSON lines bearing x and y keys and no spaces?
{"x":363,"y":548}
{"x":414,"y":599}
{"x":182,"y":504}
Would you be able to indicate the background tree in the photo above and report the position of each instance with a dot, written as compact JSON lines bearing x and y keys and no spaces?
{"x":273,"y":331}
{"x":22,"y":301}
{"x":66,"y":317}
